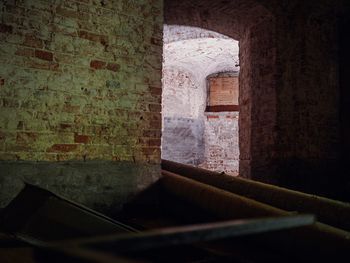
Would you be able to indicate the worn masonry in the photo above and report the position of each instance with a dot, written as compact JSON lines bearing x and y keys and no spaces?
{"x":80,"y":83}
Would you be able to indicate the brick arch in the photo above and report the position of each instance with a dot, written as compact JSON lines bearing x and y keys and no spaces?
{"x":254,"y":26}
{"x":231,"y":18}
{"x":174,"y":33}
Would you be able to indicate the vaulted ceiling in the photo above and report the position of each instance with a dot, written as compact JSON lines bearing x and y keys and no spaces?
{"x":199,"y":51}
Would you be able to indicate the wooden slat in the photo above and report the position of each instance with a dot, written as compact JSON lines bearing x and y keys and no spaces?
{"x":190,"y":234}
{"x":39,"y":214}
{"x":328,"y":211}
{"x":222,"y":204}
{"x":318,"y":240}
{"x":221,"y":108}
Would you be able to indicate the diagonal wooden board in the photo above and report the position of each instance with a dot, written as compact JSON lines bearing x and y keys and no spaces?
{"x":188,"y":234}
{"x":37,"y":213}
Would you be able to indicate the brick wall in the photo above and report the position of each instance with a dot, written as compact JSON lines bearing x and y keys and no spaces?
{"x":258,"y":106}
{"x":80,"y":81}
{"x":308,"y":97}
{"x":221,"y":131}
{"x":290,"y":130}
{"x":221,"y":142}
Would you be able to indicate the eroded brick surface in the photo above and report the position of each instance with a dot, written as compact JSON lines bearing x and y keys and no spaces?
{"x":78,"y":79}
{"x":221,"y":142}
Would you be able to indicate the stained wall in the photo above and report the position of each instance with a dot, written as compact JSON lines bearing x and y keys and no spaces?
{"x":80,"y":97}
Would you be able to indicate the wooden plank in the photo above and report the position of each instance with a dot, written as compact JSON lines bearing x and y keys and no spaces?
{"x":332,"y":212}
{"x":223,"y":91}
{"x":318,"y":240}
{"x":78,"y":255}
{"x":190,"y":234}
{"x":222,"y":204}
{"x":39,"y":214}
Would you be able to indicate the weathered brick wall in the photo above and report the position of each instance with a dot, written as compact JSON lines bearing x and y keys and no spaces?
{"x":308,"y":96}
{"x":258,"y":107}
{"x":344,"y":98}
{"x":221,"y":131}
{"x":221,"y":142}
{"x":289,"y":85}
{"x":80,"y":81}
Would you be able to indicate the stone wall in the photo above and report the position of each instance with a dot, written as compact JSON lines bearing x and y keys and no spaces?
{"x":80,"y":81}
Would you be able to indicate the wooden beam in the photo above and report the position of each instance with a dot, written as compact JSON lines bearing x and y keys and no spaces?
{"x":222,"y":204}
{"x":40,"y":214}
{"x":328,"y":211}
{"x":220,"y":108}
{"x":190,"y":234}
{"x":318,"y":240}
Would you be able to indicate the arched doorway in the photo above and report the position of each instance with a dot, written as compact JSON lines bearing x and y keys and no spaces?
{"x":200,"y":99}
{"x":254,"y":27}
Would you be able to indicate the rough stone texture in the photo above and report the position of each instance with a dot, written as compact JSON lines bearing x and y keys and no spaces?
{"x":190,"y":55}
{"x":221,"y":142}
{"x":80,"y":80}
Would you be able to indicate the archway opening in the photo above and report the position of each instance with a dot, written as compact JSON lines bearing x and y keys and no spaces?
{"x":200,"y":99}
{"x":254,"y":26}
